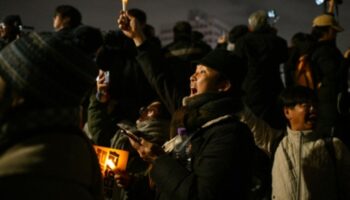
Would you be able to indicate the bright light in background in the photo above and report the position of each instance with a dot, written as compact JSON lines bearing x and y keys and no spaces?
{"x":319,"y":2}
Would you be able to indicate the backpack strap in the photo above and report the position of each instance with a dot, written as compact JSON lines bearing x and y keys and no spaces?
{"x":331,"y":151}
{"x":275,"y":144}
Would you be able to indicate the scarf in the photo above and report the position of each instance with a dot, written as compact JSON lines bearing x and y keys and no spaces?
{"x":199,"y":109}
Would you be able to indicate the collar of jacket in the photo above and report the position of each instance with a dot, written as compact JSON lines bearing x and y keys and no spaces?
{"x":307,"y":135}
{"x":170,"y":145}
{"x":203,"y":108}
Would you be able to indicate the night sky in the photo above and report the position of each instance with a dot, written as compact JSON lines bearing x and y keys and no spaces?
{"x":295,"y":15}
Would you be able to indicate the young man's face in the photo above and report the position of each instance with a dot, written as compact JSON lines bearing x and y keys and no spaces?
{"x":301,"y":116}
{"x":204,"y":80}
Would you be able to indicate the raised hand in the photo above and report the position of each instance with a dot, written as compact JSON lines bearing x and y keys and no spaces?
{"x":131,"y":27}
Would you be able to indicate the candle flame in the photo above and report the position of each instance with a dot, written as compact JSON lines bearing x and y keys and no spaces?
{"x":110,"y":164}
{"x":124,"y":2}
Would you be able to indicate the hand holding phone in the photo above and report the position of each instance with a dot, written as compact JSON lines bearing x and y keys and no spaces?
{"x":125,"y":129}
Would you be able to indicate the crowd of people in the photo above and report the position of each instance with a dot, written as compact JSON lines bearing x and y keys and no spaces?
{"x":213,"y":122}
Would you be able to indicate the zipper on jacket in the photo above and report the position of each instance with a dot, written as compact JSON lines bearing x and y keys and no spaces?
{"x":300,"y":165}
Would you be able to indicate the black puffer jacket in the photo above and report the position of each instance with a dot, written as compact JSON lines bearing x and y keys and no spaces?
{"x":331,"y":73}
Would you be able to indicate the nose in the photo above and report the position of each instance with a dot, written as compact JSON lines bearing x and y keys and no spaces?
{"x":193,"y":77}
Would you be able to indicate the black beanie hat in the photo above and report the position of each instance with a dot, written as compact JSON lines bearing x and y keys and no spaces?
{"x":47,"y":68}
{"x":227,"y":64}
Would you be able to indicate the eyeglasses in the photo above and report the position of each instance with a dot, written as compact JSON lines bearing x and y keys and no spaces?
{"x":146,"y":109}
{"x":308,"y":106}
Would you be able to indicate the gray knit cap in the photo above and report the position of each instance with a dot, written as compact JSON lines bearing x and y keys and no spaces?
{"x":47,"y":68}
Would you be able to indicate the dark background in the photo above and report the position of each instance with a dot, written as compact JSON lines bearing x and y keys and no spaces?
{"x":295,"y":15}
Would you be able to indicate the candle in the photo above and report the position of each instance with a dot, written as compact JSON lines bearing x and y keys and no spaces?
{"x":111,"y":159}
{"x":124,"y":2}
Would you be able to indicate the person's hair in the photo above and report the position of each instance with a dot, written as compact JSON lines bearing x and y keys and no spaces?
{"x":149,"y":31}
{"x":236,"y":32}
{"x":88,"y":39}
{"x":140,"y":15}
{"x":294,"y":95}
{"x":15,"y":24}
{"x":258,"y":20}
{"x":68,"y":11}
{"x":197,"y":36}
{"x":182,"y":29}
{"x":303,"y":42}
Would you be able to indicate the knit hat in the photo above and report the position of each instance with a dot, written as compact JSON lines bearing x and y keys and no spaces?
{"x":47,"y":69}
{"x":227,"y":64}
{"x":327,"y":20}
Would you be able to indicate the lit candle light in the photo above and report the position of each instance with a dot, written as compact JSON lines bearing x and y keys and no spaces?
{"x":111,"y":159}
{"x":110,"y":164}
{"x":124,"y":2}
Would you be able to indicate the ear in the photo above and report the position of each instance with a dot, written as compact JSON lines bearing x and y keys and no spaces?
{"x":65,"y":21}
{"x":224,"y":86}
{"x":287,"y":113}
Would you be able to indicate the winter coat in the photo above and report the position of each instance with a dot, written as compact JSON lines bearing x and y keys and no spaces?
{"x":264,"y":52}
{"x":303,"y":166}
{"x":44,"y":156}
{"x":128,"y":90}
{"x":319,"y":177}
{"x":153,"y":130}
{"x":331,"y":75}
{"x":220,"y":155}
{"x":221,"y":146}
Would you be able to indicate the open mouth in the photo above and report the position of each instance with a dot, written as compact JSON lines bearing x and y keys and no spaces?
{"x":193,"y":91}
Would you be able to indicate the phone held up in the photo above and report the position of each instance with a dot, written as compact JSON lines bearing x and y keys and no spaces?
{"x":127,"y":130}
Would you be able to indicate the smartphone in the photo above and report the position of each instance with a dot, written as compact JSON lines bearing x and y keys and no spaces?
{"x":106,"y":74}
{"x":125,"y":129}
